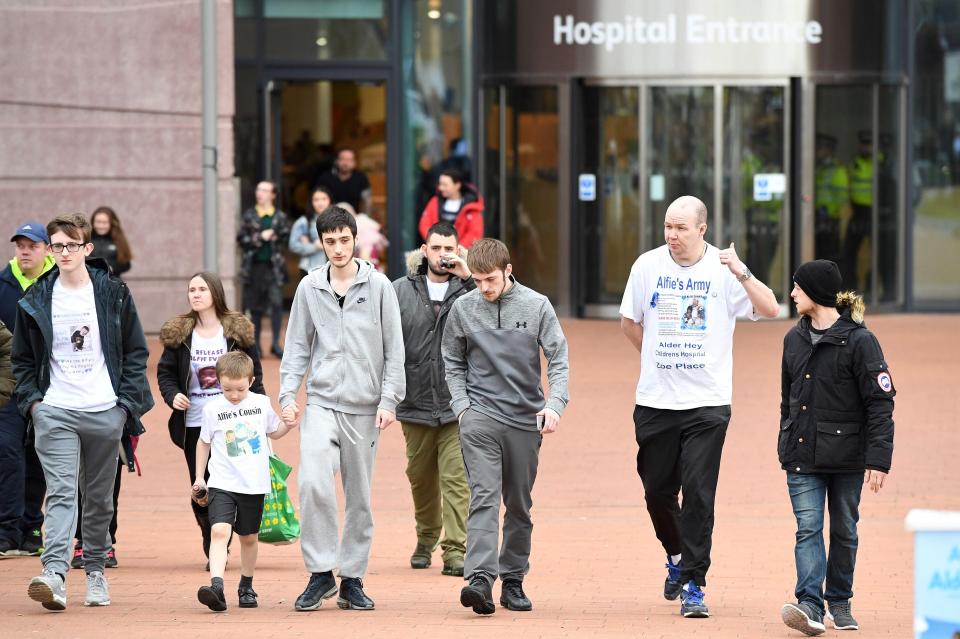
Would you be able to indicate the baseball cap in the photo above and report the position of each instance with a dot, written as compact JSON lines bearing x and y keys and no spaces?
{"x":32,"y":231}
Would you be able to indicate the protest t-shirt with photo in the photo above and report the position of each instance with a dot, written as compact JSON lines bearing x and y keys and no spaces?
{"x":204,"y":353}
{"x":237,"y":434}
{"x":688,"y":314}
{"x":79,"y":379}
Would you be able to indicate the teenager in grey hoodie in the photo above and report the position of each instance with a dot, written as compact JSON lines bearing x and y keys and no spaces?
{"x":491,"y":351}
{"x":344,"y":336}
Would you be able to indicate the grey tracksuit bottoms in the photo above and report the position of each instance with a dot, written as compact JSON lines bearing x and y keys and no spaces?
{"x":332,"y":442}
{"x":501,"y":462}
{"x":75,"y":446}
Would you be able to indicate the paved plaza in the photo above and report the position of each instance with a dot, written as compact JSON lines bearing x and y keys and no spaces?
{"x":596,"y":568}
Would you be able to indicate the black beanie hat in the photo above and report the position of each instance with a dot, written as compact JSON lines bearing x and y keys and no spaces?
{"x":820,"y":280}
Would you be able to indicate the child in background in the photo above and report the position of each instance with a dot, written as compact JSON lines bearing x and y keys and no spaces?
{"x":231,"y":437}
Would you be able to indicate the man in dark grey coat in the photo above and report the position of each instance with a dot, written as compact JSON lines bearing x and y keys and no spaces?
{"x":434,"y":460}
{"x":491,"y":350}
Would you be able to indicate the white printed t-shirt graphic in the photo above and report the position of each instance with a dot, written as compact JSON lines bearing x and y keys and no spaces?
{"x":237,"y":433}
{"x":204,"y":353}
{"x":688,"y":316}
{"x":79,"y":379}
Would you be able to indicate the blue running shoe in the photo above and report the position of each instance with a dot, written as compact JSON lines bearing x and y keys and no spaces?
{"x":672,"y":585}
{"x":691,"y":601}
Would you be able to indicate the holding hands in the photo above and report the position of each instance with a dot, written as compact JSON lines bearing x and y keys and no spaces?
{"x":290,"y":415}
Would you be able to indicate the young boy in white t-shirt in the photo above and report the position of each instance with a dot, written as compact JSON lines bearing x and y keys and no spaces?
{"x":232,"y":437}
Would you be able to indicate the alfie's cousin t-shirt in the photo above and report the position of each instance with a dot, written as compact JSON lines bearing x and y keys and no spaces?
{"x":237,"y":434}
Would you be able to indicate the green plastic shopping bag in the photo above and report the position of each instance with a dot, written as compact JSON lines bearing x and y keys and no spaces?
{"x":279,"y":524}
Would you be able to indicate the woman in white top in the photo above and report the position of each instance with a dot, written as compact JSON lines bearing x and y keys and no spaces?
{"x":192,"y":343}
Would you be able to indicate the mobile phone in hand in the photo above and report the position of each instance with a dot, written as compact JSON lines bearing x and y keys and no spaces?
{"x":540,"y":422}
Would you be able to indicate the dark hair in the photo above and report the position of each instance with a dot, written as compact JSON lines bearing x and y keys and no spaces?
{"x":454,"y":174}
{"x":334,"y":219}
{"x":311,"y":212}
{"x":73,"y":224}
{"x":212,"y":280}
{"x":124,"y":254}
{"x":445,"y":229}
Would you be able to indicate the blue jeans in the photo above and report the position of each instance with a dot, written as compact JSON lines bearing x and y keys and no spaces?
{"x":842,"y":493}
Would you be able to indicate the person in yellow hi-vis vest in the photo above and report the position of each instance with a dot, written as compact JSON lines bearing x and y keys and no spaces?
{"x":831,"y":198}
{"x":861,"y":201}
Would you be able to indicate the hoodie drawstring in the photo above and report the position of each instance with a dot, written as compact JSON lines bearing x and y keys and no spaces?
{"x":498,"y":313}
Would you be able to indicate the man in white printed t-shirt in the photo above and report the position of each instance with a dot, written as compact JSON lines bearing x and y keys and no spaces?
{"x":80,"y":359}
{"x":679,"y":311}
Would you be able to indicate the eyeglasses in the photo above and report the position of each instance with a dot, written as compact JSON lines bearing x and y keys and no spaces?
{"x":71,"y":247}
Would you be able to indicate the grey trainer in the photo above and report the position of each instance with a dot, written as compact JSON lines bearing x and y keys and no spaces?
{"x":98,"y":594}
{"x":803,"y":617}
{"x":839,"y":614}
{"x":49,"y":590}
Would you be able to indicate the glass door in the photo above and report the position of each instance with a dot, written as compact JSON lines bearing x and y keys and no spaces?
{"x":521,"y":181}
{"x":755,"y":182}
{"x":857,"y":190}
{"x":611,"y":214}
{"x":679,"y":148}
{"x":309,"y":122}
{"x":643,"y":146}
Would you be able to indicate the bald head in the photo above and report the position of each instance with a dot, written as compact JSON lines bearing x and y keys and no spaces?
{"x":688,"y":208}
{"x":684,"y":226}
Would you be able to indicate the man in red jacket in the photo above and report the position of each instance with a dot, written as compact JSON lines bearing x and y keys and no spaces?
{"x":458,"y":204}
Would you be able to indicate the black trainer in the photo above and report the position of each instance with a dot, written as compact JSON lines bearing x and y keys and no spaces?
{"x":321,"y":586}
{"x":352,"y":596}
{"x":248,"y":598}
{"x":32,"y":543}
{"x":803,"y":616}
{"x":512,"y":596}
{"x":212,"y":597}
{"x":478,"y":595}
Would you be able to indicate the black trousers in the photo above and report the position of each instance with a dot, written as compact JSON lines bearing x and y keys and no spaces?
{"x":680,"y":450}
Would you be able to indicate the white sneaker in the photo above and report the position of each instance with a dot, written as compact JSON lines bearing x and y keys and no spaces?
{"x":49,"y":590}
{"x":98,"y":594}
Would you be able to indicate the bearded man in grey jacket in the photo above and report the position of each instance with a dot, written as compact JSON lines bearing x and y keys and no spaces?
{"x":438,"y":482}
{"x":344,"y":336}
{"x":491,"y":351}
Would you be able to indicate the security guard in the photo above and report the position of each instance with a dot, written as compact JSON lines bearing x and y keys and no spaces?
{"x":831,"y":198}
{"x":861,"y":221}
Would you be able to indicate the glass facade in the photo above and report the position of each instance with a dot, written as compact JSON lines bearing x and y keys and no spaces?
{"x":935,"y":168}
{"x":438,"y":98}
{"x":391,"y":79}
{"x":873,"y":131}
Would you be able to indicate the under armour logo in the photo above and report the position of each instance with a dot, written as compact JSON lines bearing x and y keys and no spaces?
{"x":521,"y":324}
{"x":361,"y":300}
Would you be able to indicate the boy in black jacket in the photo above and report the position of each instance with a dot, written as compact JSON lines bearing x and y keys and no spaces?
{"x":836,"y":433}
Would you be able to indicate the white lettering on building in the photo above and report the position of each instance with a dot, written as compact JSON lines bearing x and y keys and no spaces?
{"x":697,"y":29}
